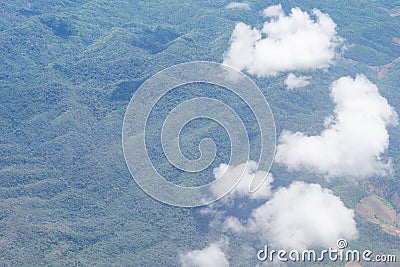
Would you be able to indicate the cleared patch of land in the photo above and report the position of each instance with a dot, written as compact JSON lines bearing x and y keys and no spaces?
{"x":379,"y":211}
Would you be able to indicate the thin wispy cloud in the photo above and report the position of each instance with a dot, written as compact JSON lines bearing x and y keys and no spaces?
{"x":248,"y":172}
{"x":292,"y":81}
{"x":238,"y":5}
{"x":273,"y":11}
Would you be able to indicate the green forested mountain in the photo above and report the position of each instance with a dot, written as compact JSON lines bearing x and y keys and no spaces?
{"x":68,"y":70}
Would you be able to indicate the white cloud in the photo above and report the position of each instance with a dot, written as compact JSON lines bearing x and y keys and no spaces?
{"x":238,"y":5}
{"x":233,"y":224}
{"x":244,"y":190}
{"x":354,"y":139}
{"x":299,"y":217}
{"x":273,"y":11}
{"x":292,"y":42}
{"x":293,"y":81}
{"x":249,"y":173}
{"x":210,"y":256}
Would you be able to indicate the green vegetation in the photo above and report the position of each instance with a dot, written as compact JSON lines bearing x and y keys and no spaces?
{"x":68,"y":69}
{"x":387,"y":204}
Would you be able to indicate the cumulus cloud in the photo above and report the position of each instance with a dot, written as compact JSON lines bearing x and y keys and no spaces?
{"x":249,"y":173}
{"x":354,"y":139}
{"x":212,"y":255}
{"x":293,"y":81}
{"x":285,"y":43}
{"x":238,"y":5}
{"x":273,"y":11}
{"x":299,"y":217}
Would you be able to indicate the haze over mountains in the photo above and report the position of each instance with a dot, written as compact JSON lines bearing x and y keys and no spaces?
{"x":329,"y":70}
